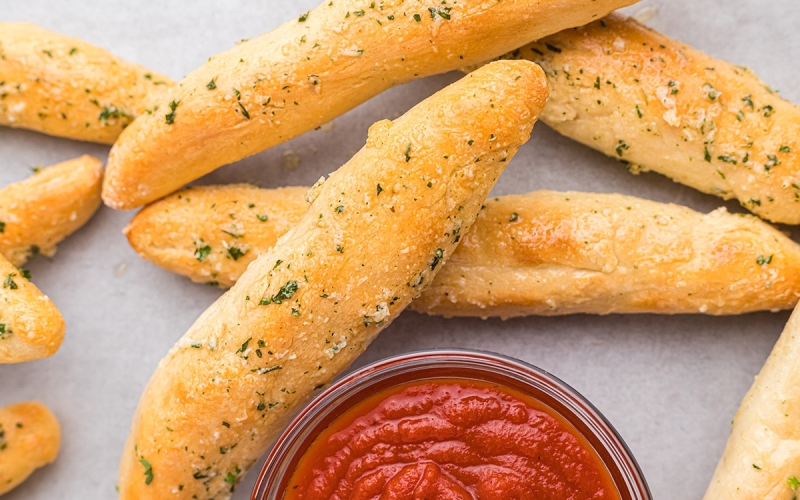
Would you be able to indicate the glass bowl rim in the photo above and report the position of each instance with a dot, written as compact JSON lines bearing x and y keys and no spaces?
{"x":578,"y":407}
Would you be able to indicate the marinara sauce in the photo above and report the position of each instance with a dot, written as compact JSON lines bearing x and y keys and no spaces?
{"x":452,"y":439}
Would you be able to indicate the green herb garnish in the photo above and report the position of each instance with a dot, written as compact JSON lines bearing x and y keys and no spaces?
{"x":201,"y":252}
{"x":9,"y":282}
{"x":170,"y":117}
{"x":148,"y":471}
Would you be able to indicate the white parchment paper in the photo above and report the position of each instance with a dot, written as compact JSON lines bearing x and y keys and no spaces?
{"x":670,"y":385}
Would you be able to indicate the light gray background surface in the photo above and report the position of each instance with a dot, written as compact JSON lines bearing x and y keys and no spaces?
{"x":670,"y":385}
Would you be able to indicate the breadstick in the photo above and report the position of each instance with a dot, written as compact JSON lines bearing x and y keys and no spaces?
{"x":63,"y":86}
{"x":29,"y":439}
{"x":657,"y":104}
{"x":190,"y":232}
{"x":550,"y":253}
{"x":37,"y":213}
{"x":310,"y":70}
{"x":544,"y":253}
{"x":376,"y":233}
{"x":762,"y":458}
{"x":31,"y":327}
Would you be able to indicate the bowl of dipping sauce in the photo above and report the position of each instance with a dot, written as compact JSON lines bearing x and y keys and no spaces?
{"x":450,"y":424}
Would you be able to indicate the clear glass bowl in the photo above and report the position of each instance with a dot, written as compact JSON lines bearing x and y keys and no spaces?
{"x":450,"y":364}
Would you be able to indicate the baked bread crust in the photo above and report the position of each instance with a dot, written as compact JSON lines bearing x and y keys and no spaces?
{"x":31,"y":327}
{"x":189,"y":232}
{"x":762,"y":458}
{"x":30,"y":437}
{"x":566,"y":253}
{"x":543,"y":253}
{"x":38,"y":213}
{"x":657,"y":104}
{"x":63,"y":86}
{"x":303,"y":311}
{"x":320,"y":65}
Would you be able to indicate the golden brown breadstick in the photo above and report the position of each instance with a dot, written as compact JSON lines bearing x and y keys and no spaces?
{"x":31,"y":327}
{"x":657,"y":104}
{"x":63,"y":86}
{"x":29,"y":439}
{"x":555,"y":253}
{"x":545,"y":253}
{"x":37,"y":213}
{"x":310,"y":70}
{"x":762,"y":458}
{"x":376,"y":233}
{"x":212,"y":233}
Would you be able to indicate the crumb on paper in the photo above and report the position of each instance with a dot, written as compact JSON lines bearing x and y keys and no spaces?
{"x":645,"y":14}
{"x":121,"y":269}
{"x":290,"y":160}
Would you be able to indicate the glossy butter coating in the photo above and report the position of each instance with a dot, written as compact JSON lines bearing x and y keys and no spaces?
{"x":657,"y":104}
{"x":762,"y":458}
{"x":544,"y":252}
{"x":312,"y":69}
{"x":376,"y":233}
{"x":31,"y":327}
{"x":30,"y":437}
{"x":63,"y":86}
{"x":38,"y":213}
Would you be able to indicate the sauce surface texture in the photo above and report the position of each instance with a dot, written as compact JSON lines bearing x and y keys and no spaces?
{"x":450,"y":439}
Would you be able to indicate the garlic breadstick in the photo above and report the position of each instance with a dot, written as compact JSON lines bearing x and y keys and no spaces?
{"x":63,"y":86}
{"x":762,"y":458}
{"x":192,"y":232}
{"x":544,"y":253}
{"x":37,"y":213}
{"x":550,"y":253}
{"x":31,"y":327}
{"x":312,"y":69}
{"x":30,"y":437}
{"x":657,"y":104}
{"x":375,"y":235}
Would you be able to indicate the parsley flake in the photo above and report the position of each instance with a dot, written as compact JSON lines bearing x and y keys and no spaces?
{"x":9,"y":282}
{"x":170,"y":117}
{"x":244,"y":110}
{"x":285,"y":293}
{"x":552,"y":48}
{"x":201,"y":252}
{"x":148,"y":471}
{"x":244,"y":346}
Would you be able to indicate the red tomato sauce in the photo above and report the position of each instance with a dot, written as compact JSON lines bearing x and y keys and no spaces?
{"x":450,"y":439}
